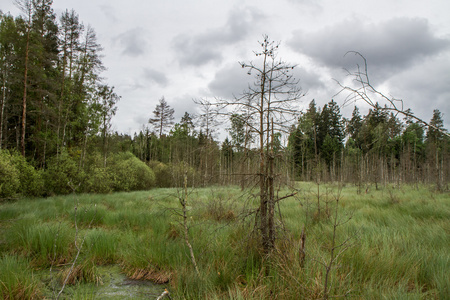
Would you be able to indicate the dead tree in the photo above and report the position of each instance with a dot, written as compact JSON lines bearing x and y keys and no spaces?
{"x":365,"y":91}
{"x":270,"y":109}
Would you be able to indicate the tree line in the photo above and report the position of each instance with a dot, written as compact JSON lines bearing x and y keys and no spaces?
{"x":56,"y":112}
{"x":322,"y":145}
{"x":53,"y":97}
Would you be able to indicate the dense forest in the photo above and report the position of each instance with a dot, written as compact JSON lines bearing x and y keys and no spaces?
{"x":56,"y":137}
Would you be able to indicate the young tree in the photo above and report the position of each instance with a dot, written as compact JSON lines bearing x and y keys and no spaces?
{"x":163,"y":116}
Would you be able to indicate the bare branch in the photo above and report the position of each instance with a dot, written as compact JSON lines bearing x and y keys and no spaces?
{"x":365,"y":88}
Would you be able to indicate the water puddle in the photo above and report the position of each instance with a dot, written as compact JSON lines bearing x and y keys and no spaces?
{"x":115,"y":286}
{"x":121,"y":287}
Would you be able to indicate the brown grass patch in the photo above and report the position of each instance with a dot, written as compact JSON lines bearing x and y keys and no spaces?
{"x":85,"y":272}
{"x":151,"y":274}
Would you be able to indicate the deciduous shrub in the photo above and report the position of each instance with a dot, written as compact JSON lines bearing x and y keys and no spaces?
{"x":31,"y":180}
{"x":129,"y":173}
{"x":63,"y":174}
{"x":9,"y":176}
{"x":98,"y":177}
{"x":163,"y":174}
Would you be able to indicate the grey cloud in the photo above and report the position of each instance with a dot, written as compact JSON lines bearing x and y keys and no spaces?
{"x":393,"y":44}
{"x":155,"y":76}
{"x":229,"y":81}
{"x":109,"y":12}
{"x":133,"y":42}
{"x":308,"y":79}
{"x":312,"y":5}
{"x":425,"y":87}
{"x":208,"y":47}
{"x":182,"y":104}
{"x":232,"y":80}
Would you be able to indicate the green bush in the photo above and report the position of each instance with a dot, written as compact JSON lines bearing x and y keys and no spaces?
{"x":172,"y":175}
{"x":9,"y":176}
{"x":162,"y":173}
{"x":98,"y":181}
{"x":17,"y":176}
{"x":63,"y":175}
{"x":129,"y":173}
{"x":31,"y":180}
{"x":98,"y":178}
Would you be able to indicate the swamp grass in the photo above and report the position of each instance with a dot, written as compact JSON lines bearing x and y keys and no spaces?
{"x":396,"y":242}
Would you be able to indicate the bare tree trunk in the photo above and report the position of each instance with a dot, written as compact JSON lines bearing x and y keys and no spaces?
{"x":25,"y":87}
{"x":262,"y":166}
{"x":271,"y":196}
{"x":183,"y":201}
{"x":2,"y":111}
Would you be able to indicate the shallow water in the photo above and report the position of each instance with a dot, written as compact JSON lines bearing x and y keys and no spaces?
{"x":115,"y":286}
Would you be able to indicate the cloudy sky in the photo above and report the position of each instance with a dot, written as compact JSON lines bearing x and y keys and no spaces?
{"x":189,"y":49}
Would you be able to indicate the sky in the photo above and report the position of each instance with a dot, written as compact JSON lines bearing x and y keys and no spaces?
{"x":189,"y":49}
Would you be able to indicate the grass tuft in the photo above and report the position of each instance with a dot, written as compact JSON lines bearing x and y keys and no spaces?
{"x":16,"y":279}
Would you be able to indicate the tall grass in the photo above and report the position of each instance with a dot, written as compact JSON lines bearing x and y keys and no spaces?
{"x":16,"y":279}
{"x":398,"y":246}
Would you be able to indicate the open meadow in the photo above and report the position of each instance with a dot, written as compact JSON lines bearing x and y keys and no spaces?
{"x":391,"y":243}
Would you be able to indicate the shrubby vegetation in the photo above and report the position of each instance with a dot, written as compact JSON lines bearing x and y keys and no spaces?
{"x":17,"y":177}
{"x":64,"y":175}
{"x":128,"y":173}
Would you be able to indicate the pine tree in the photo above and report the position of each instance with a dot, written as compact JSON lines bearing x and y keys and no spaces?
{"x":8,"y":38}
{"x":163,"y":117}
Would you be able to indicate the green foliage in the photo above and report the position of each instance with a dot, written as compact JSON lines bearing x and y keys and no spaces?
{"x":17,"y":176}
{"x":63,"y":175}
{"x":9,"y":176}
{"x":129,"y":173}
{"x":31,"y":180}
{"x":162,"y":172}
{"x":98,"y":178}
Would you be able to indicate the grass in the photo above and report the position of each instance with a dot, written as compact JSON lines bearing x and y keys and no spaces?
{"x":16,"y":279}
{"x":398,"y":241}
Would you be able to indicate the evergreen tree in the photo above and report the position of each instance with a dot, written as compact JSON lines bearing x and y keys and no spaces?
{"x":434,"y":132}
{"x":8,"y":77}
{"x":237,"y":131}
{"x":187,"y":124}
{"x":354,"y":125}
{"x":163,"y":116}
